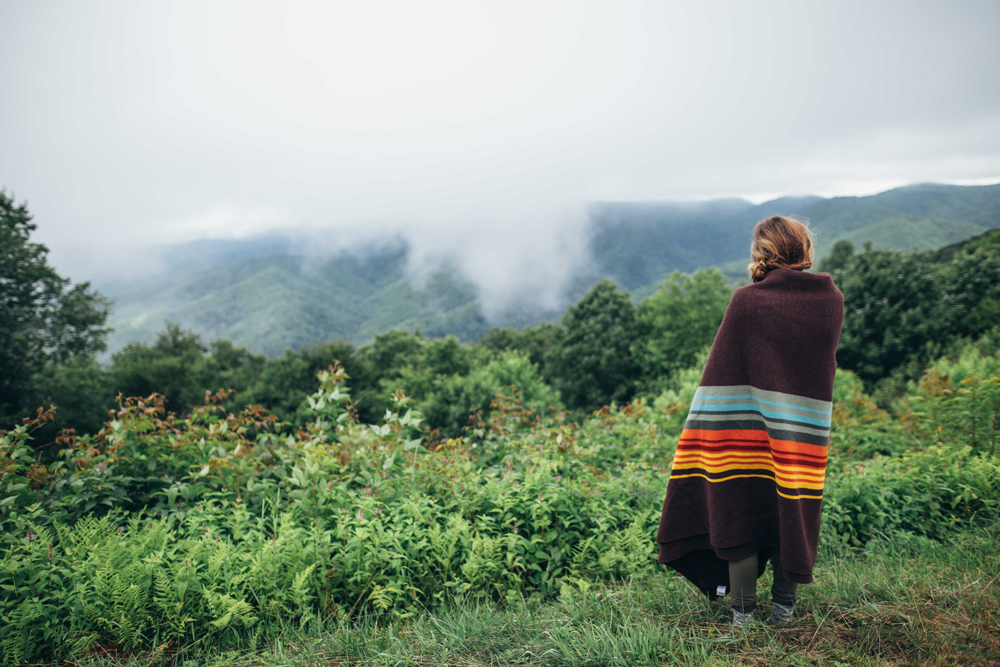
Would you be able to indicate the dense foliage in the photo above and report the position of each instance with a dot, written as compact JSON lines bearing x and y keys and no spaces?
{"x":903,"y":308}
{"x":50,"y":330}
{"x":219,"y":523}
{"x":592,"y":363}
{"x":675,"y":323}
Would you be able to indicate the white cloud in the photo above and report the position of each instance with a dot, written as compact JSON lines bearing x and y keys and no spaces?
{"x":126,"y":124}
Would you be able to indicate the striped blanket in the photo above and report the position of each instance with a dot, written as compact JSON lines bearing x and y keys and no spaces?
{"x":750,"y":464}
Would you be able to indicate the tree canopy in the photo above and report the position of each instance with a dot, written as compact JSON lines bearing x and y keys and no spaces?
{"x":45,"y":320}
{"x":592,"y":361}
{"x":676,"y":322}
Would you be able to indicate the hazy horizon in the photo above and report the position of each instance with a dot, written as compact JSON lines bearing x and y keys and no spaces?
{"x":477,"y":131}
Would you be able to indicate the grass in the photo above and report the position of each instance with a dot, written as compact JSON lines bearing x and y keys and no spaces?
{"x":903,"y":601}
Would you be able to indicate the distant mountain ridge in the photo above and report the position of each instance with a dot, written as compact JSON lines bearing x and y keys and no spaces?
{"x":266,"y":293}
{"x":636,"y":244}
{"x":273,"y":301}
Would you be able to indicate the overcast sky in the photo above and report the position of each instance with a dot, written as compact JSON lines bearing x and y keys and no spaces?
{"x":472,"y":125}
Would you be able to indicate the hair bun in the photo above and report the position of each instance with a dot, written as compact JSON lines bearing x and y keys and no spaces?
{"x":780,"y":242}
{"x":757,"y":270}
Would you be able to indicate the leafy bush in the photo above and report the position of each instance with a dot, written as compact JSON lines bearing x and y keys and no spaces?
{"x":221,"y":521}
{"x":456,"y":398}
{"x":957,"y":402}
{"x":921,"y":493}
{"x":222,"y":526}
{"x":860,"y":429}
{"x":676,"y":322}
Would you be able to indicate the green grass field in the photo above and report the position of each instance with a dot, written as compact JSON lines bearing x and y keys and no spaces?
{"x":905,"y":601}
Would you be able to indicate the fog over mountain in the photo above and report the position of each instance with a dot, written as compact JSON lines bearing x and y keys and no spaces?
{"x":281,"y":290}
{"x":478,"y":132}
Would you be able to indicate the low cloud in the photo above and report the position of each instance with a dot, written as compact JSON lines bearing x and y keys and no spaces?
{"x":476,"y":133}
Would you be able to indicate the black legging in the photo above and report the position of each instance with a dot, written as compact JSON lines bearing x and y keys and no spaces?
{"x":743,"y":583}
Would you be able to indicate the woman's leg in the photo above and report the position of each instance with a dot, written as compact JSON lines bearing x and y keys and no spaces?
{"x":783,"y":592}
{"x":743,"y":584}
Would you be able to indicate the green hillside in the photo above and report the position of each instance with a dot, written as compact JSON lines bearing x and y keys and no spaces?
{"x":267,"y":295}
{"x":986,"y":239}
{"x":275,"y":302}
{"x":636,"y":244}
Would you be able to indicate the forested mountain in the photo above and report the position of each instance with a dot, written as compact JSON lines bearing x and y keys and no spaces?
{"x":636,"y":244}
{"x":267,"y":294}
{"x":273,"y":301}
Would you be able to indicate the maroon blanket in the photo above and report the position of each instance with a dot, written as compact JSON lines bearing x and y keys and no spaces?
{"x":749,"y":469}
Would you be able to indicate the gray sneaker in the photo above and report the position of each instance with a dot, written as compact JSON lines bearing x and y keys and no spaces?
{"x":781,"y":614}
{"x":740,"y":619}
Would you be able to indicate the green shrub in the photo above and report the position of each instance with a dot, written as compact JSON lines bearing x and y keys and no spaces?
{"x":928,"y":493}
{"x":216,"y":527}
{"x":456,"y":398}
{"x":860,"y":429}
{"x":957,"y":401}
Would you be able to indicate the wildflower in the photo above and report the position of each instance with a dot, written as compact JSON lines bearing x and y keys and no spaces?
{"x":31,"y":536}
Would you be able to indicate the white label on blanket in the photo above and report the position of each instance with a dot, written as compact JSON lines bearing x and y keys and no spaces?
{"x":721,"y":590}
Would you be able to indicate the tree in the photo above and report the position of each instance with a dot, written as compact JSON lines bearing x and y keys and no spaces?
{"x":384,"y":359}
{"x":676,"y":322}
{"x":168,"y":367}
{"x":591,"y":361}
{"x":892,"y":309}
{"x":536,"y":342}
{"x":838,"y":258}
{"x":283,"y":383}
{"x":45,"y":320}
{"x":902,"y":309}
{"x":972,"y":290}
{"x":423,"y":371}
{"x":456,"y":397}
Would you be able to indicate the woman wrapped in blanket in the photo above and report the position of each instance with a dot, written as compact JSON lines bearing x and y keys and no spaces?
{"x":746,"y":483}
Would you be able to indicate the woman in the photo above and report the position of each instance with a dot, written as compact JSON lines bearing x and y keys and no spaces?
{"x":747,"y":480}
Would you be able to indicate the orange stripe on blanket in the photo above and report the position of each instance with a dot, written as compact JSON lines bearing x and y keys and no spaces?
{"x":805,"y":481}
{"x":779,"y":459}
{"x":736,"y":437}
{"x":802,"y":473}
{"x":754,"y":435}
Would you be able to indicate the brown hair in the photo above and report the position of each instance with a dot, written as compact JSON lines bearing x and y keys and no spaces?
{"x":780,"y":243}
